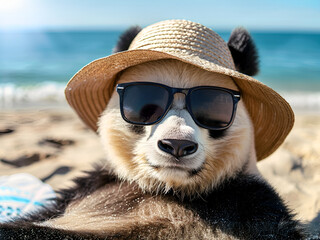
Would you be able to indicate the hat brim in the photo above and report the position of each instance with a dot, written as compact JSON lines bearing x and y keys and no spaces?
{"x":90,"y":89}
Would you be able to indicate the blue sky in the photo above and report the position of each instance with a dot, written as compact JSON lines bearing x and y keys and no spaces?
{"x":104,"y":14}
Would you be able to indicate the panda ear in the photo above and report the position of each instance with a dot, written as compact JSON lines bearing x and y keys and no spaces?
{"x":244,"y":52}
{"x":126,"y":38}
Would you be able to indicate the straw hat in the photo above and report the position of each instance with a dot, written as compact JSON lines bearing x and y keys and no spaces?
{"x":89,"y":91}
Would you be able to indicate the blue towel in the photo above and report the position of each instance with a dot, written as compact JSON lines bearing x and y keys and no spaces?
{"x":22,"y":194}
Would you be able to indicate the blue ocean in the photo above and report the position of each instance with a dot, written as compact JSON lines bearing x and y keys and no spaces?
{"x":35,"y":66}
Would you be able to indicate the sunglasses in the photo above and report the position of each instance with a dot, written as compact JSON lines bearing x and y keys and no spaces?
{"x":146,"y":103}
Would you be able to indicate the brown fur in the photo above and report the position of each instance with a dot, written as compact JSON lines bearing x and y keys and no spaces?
{"x":126,"y":211}
{"x":223,"y":156}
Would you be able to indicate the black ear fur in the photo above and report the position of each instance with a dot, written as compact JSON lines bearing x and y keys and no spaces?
{"x":126,"y":38}
{"x":244,"y":52}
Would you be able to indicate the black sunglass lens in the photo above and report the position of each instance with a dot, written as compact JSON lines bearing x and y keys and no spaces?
{"x":211,"y":107}
{"x":144,"y":103}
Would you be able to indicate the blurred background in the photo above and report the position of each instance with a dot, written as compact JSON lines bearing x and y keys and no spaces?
{"x":44,"y":43}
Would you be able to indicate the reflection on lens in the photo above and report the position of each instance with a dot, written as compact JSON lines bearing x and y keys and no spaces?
{"x":151,"y":113}
{"x":144,"y":103}
{"x":212,"y":108}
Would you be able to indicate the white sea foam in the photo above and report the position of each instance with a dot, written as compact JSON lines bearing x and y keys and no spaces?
{"x":303,"y":101}
{"x":47,"y":93}
{"x":51,"y":93}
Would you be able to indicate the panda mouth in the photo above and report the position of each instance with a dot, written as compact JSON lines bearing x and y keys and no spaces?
{"x":170,"y":167}
{"x":191,"y":172}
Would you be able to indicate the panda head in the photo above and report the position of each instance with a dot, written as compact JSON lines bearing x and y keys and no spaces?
{"x":176,"y":153}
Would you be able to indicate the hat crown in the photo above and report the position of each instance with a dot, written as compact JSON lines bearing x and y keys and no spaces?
{"x":183,"y":37}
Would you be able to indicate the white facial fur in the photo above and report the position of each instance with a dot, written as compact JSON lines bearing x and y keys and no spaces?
{"x":137,"y":157}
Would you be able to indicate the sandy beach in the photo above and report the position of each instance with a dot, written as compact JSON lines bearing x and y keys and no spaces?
{"x":55,"y":146}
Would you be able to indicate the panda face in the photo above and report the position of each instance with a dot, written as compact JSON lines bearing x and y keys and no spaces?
{"x":149,"y":155}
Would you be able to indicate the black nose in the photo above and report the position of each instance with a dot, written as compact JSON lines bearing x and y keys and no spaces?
{"x":177,"y":148}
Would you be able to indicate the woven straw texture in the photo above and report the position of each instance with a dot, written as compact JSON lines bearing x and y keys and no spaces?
{"x":89,"y":91}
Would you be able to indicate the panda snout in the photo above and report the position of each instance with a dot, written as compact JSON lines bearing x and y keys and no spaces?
{"x":177,"y":148}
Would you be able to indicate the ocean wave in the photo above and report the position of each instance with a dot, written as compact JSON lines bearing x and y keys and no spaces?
{"x":46,"y":93}
{"x":303,"y":101}
{"x":51,"y":93}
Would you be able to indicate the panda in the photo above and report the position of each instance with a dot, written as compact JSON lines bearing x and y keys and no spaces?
{"x":171,"y":179}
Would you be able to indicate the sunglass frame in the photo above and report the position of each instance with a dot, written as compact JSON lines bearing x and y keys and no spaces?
{"x":171,"y":91}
